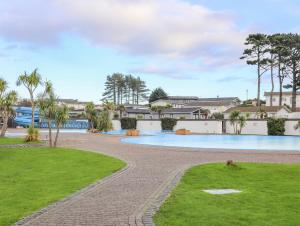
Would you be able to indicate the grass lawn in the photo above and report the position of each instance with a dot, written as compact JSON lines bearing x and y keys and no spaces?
{"x":32,"y":178}
{"x":11,"y":140}
{"x":271,"y":196}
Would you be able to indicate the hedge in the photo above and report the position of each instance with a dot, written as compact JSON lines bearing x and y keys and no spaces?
{"x":128,"y":123}
{"x":168,"y":123}
{"x":276,"y":127}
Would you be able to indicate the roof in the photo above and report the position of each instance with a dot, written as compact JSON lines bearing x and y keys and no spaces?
{"x":137,"y":111}
{"x":254,"y":109}
{"x":219,"y":99}
{"x":277,"y":93}
{"x":208,"y":103}
{"x":180,"y":110}
{"x":182,"y":98}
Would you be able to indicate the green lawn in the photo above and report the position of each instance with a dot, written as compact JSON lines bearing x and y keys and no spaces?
{"x":271,"y":196}
{"x":33,"y":178}
{"x":11,"y":140}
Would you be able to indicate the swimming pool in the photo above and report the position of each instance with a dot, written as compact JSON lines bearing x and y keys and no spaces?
{"x":244,"y":142}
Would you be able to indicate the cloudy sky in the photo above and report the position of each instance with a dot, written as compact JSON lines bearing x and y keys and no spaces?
{"x":188,"y":47}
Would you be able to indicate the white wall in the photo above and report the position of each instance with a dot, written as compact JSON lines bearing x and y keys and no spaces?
{"x":203,"y":126}
{"x":258,"y":127}
{"x":116,"y":124}
{"x":149,"y":125}
{"x":290,"y":128}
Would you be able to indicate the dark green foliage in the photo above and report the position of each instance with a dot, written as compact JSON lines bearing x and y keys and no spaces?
{"x":157,"y":94}
{"x":217,"y":115}
{"x":128,"y":123}
{"x":276,"y":127}
{"x":168,"y":123}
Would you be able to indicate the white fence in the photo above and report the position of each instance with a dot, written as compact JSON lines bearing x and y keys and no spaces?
{"x":258,"y":127}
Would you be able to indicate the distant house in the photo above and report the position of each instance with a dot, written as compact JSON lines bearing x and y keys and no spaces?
{"x":72,"y":103}
{"x":215,"y":105}
{"x":181,"y":113}
{"x":138,"y":112}
{"x":286,"y":99}
{"x":260,"y":112}
{"x":175,"y":101}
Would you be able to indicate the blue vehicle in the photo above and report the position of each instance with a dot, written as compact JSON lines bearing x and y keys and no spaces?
{"x":23,"y":116}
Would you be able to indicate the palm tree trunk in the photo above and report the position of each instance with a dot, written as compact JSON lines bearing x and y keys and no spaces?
{"x":33,"y":109}
{"x":56,"y":136}
{"x":4,"y":126}
{"x":50,"y":132}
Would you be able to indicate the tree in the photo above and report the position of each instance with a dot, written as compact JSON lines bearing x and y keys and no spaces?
{"x":61,"y":118}
{"x":121,"y":108}
{"x":278,"y":52}
{"x":104,"y":121}
{"x":91,"y":114}
{"x":293,"y":63}
{"x":159,"y":109}
{"x":48,"y":106}
{"x":157,"y":94}
{"x":119,"y":87}
{"x":238,"y":121}
{"x":31,"y":82}
{"x":256,"y":55}
{"x":7,"y":100}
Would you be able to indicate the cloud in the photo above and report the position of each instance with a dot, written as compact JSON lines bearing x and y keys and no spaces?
{"x":174,"y":28}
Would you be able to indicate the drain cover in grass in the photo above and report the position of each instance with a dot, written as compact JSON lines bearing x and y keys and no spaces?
{"x":221,"y":191}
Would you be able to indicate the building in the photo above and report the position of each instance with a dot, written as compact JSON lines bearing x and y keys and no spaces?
{"x":182,"y":113}
{"x":175,"y":101}
{"x":261,"y":112}
{"x":73,"y":104}
{"x":137,"y":113}
{"x":286,"y":99}
{"x":215,"y":105}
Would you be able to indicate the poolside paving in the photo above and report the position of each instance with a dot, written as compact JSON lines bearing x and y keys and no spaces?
{"x":131,"y":196}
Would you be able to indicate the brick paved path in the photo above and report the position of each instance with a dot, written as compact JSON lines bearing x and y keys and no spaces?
{"x":123,"y":198}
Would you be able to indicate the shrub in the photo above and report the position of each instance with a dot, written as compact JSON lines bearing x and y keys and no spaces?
{"x":276,"y":127}
{"x":116,"y":116}
{"x":104,"y":122}
{"x":168,"y":123}
{"x":217,"y":115}
{"x":181,"y":118}
{"x":128,"y":123}
{"x":32,"y":134}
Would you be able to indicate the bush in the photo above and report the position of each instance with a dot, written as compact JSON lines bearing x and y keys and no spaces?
{"x":276,"y":127}
{"x":116,"y":116}
{"x":128,"y":123}
{"x":217,"y":115}
{"x":168,"y":123}
{"x":32,"y":134}
{"x":104,"y":122}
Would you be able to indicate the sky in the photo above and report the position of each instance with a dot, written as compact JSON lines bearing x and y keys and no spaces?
{"x":187,"y":47}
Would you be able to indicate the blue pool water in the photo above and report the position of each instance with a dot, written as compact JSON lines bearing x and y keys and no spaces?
{"x":246,"y":142}
{"x":143,"y":132}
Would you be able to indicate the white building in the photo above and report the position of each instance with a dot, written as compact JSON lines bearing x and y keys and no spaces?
{"x":215,"y":105}
{"x":286,"y":99}
{"x":175,"y":101}
{"x":261,"y":112}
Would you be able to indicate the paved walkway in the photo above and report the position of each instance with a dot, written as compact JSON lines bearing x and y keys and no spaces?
{"x":125,"y":197}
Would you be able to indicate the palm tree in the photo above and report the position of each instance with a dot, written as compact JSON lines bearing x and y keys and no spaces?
{"x":47,"y":105}
{"x":6,"y":103}
{"x":121,"y":108}
{"x":31,"y":82}
{"x":91,"y":114}
{"x":238,"y":121}
{"x":104,"y":121}
{"x":61,"y":117}
{"x":159,"y":109}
